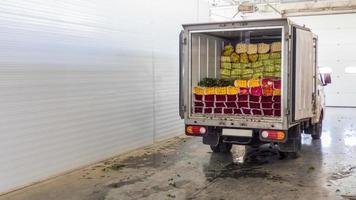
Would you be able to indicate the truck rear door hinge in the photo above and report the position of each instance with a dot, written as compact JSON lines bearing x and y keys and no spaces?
{"x":184,"y":41}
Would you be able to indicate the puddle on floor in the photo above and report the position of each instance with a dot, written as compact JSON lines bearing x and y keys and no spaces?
{"x":343,"y":172}
{"x":246,"y":166}
{"x":262,"y":155}
{"x":344,"y":182}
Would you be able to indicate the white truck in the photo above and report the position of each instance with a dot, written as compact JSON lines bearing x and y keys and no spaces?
{"x":229,"y":117}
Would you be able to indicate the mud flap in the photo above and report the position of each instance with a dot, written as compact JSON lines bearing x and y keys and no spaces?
{"x":211,"y":139}
{"x":294,"y":140}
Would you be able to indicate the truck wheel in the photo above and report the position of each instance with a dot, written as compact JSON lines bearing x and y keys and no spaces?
{"x":288,"y":155}
{"x":316,"y":129}
{"x":221,"y":148}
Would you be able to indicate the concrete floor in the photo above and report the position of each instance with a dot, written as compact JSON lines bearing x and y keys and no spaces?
{"x":183,"y":168}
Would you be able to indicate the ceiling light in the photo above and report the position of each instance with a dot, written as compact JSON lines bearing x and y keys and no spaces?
{"x":325,"y":70}
{"x":350,"y":70}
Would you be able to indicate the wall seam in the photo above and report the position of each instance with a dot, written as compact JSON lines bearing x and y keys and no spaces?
{"x":154,"y":92}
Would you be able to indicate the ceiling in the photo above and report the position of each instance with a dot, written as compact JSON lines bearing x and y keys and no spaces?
{"x":231,"y":9}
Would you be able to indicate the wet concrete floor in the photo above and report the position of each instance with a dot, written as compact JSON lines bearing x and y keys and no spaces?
{"x":184,"y":168}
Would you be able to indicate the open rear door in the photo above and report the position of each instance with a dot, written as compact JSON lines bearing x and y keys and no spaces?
{"x":182,"y":74}
{"x":303,"y":73}
{"x":181,"y":99}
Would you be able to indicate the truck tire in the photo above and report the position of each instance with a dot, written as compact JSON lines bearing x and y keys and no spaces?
{"x":288,"y":155}
{"x":316,"y":129}
{"x":221,"y":148}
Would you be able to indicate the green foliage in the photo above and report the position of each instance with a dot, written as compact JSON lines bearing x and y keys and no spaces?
{"x":208,"y":82}
{"x":224,"y":83}
{"x":212,"y":82}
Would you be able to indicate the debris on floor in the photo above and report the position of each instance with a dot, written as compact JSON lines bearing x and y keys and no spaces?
{"x":183,"y":168}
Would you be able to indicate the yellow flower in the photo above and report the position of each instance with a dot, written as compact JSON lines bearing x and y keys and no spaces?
{"x":254,"y":83}
{"x":209,"y":90}
{"x":240,"y":83}
{"x":220,"y":90}
{"x":198,"y":90}
{"x":232,"y":90}
{"x":276,"y":92}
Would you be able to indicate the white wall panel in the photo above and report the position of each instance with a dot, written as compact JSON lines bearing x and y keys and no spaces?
{"x":166,"y":29}
{"x":81,"y":81}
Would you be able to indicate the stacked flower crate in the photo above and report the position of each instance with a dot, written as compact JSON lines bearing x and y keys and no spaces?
{"x":252,"y":97}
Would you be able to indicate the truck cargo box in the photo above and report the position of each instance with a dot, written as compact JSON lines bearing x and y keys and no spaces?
{"x":252,"y":74}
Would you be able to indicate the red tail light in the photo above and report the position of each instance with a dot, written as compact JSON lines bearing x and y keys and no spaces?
{"x":195,"y":130}
{"x":273,"y":135}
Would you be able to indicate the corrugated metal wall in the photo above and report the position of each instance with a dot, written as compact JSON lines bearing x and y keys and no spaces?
{"x":83,"y":80}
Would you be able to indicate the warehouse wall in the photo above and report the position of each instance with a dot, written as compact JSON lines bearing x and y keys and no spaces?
{"x":82,"y":81}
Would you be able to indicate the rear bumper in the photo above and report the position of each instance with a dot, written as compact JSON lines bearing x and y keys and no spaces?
{"x":247,"y":123}
{"x":212,"y":135}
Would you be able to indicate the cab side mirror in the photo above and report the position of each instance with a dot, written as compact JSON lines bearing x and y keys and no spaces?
{"x":326,"y":79}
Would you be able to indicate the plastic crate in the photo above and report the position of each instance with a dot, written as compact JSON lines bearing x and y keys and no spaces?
{"x":231,"y":104}
{"x":209,"y":104}
{"x":237,"y":111}
{"x":242,"y":104}
{"x":256,"y":112}
{"x":220,"y":105}
{"x":209,"y":97}
{"x":198,"y":97}
{"x":231,"y":97}
{"x":266,"y":99}
{"x":220,"y":98}
{"x":198,"y":104}
{"x":254,"y":98}
{"x":246,"y":111}
{"x":267,"y":105}
{"x":255,"y":105}
{"x":242,"y":97}
{"x":228,"y":111}
{"x":198,"y":109}
{"x":268,"y":112}
{"x":277,"y":106}
{"x":277,"y":98}
{"x":208,"y":110}
{"x":277,"y":113}
{"x":218,"y":110}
